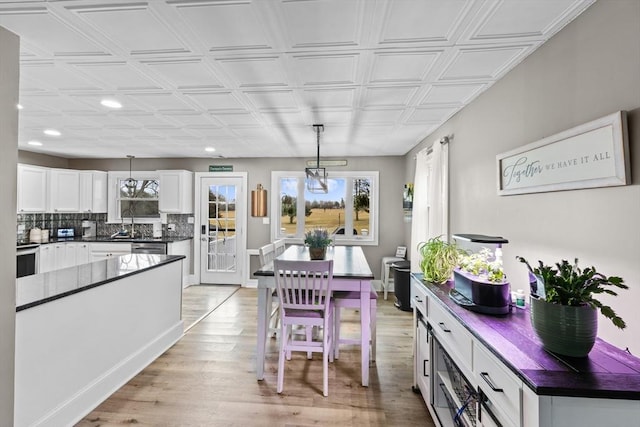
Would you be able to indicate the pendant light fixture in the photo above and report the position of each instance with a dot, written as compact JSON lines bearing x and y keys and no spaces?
{"x":317,"y":177}
{"x":130,"y":184}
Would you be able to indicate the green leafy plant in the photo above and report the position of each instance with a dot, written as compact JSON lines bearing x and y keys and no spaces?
{"x":438,"y":259}
{"x":317,"y":238}
{"x":568,"y":284}
{"x":483,"y":264}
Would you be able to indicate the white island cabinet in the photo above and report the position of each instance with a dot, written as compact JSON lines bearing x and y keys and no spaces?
{"x":491,"y":370}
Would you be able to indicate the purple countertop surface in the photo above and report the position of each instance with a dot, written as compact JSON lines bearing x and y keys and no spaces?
{"x":608,"y":372}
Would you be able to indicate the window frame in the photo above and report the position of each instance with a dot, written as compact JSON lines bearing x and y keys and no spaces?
{"x":113,"y":211}
{"x":370,"y":240}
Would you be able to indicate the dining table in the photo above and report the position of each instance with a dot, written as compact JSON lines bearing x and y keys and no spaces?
{"x":351,"y":272}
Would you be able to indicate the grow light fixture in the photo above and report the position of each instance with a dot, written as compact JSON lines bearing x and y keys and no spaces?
{"x":316,"y":180}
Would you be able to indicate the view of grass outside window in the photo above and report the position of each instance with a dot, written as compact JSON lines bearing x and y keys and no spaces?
{"x":140,"y":201}
{"x":222,"y":211}
{"x":344,"y":210}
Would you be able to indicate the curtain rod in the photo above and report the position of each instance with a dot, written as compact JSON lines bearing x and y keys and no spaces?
{"x":443,"y":140}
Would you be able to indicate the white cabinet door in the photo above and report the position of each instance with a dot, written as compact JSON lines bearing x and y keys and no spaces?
{"x":183,"y":247}
{"x":176,"y":192}
{"x":32,"y":189}
{"x":46,"y":258}
{"x":93,"y":191}
{"x":83,"y":255}
{"x":100,"y":251}
{"x":423,"y":367}
{"x":64,"y":190}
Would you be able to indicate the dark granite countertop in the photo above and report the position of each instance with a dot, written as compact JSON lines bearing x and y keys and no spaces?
{"x":107,"y":239}
{"x":607,"y":372}
{"x":41,"y":288}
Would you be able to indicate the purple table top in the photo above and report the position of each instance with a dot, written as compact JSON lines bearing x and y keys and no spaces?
{"x":607,"y":372}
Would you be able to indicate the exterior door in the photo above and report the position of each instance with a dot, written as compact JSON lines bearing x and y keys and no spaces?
{"x":222,"y":234}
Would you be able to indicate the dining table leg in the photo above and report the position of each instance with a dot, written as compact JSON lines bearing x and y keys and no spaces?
{"x":365,"y":328}
{"x":264,"y":295}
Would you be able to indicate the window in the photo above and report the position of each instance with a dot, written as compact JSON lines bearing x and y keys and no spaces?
{"x":348,"y":210}
{"x":137,"y":200}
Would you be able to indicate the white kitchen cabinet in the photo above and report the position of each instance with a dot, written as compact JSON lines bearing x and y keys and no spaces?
{"x":64,"y":190}
{"x":65,"y":254}
{"x":46,"y":258}
{"x":176,"y":191}
{"x":100,"y":250}
{"x":32,"y":189}
{"x":93,"y":191}
{"x":182,"y":247}
{"x":83,"y":253}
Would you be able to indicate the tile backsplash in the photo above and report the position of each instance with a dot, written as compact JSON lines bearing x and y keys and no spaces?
{"x":54,"y":221}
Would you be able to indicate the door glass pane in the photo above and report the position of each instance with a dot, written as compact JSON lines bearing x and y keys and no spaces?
{"x":288,"y":203}
{"x":361,"y":198}
{"x":222,"y":228}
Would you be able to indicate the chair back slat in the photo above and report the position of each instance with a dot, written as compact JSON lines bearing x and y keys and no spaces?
{"x":304,"y":285}
{"x":279,"y":246}
{"x":266,"y":253}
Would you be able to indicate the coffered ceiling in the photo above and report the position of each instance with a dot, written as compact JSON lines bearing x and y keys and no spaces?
{"x":250,"y":77}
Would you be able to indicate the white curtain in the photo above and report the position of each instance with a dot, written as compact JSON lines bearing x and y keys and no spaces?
{"x":430,"y":198}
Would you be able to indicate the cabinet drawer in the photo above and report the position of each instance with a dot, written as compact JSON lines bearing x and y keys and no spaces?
{"x":453,"y":336}
{"x":419,"y":297}
{"x":500,"y":386}
{"x":423,"y":366}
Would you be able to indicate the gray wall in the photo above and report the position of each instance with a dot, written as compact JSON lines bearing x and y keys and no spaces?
{"x":259,"y":172}
{"x":9,"y":79}
{"x":588,"y":70}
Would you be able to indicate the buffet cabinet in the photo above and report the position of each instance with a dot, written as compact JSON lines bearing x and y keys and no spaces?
{"x":479,"y":370}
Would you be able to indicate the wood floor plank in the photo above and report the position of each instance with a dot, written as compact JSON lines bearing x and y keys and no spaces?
{"x":208,"y":377}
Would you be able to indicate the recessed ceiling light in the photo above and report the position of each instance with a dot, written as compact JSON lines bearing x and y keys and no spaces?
{"x":19,"y":106}
{"x":36,"y":143}
{"x":210,"y":149}
{"x":111,"y":103}
{"x":52,"y":132}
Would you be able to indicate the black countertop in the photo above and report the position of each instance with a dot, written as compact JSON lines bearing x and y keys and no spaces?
{"x":41,"y":288}
{"x":24,"y":245}
{"x":607,"y":372}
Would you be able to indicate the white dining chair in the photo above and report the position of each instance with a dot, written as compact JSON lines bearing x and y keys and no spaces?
{"x":267,"y":254}
{"x":351,"y":299}
{"x":279,"y":246}
{"x":304,"y":290}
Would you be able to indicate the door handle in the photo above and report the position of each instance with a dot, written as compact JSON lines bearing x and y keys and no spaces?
{"x":203,"y":230}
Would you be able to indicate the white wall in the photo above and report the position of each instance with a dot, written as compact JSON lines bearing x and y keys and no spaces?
{"x":9,"y":79}
{"x":588,"y":70}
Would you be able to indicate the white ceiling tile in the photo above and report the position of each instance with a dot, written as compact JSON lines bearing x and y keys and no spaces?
{"x":115,"y":22}
{"x":421,"y":21}
{"x":50,"y":76}
{"x":272,"y":100}
{"x":216,"y":101}
{"x":284,"y":117}
{"x":237,"y":119}
{"x":255,"y":71}
{"x":326,"y":69}
{"x":381,"y":116}
{"x":160,"y":101}
{"x":395,"y":96}
{"x":185,"y":74}
{"x":216,"y":24}
{"x":402,"y":67}
{"x":331,"y":118}
{"x":328,"y":98}
{"x":322,"y":23}
{"x":451,"y":93}
{"x":116,"y":75}
{"x":481,"y":63}
{"x":426,"y":115}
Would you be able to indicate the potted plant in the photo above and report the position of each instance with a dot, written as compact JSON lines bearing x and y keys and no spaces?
{"x":438,"y":259}
{"x":317,"y":240}
{"x":564,"y":305}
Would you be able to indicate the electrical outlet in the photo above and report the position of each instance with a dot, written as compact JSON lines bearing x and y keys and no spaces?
{"x":171,"y":227}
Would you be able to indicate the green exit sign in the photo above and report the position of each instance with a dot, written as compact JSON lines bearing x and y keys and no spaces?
{"x":220,"y":168}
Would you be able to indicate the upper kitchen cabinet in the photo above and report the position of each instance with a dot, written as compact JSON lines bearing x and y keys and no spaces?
{"x":93,"y":191}
{"x":176,"y":191}
{"x":64,"y":190}
{"x":32,"y":189}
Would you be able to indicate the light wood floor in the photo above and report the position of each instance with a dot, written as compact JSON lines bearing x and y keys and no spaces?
{"x":208,"y":377}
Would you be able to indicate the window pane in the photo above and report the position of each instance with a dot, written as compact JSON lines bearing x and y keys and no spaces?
{"x":139,"y":208}
{"x":361,"y":199}
{"x":326,"y":210}
{"x":288,"y":206}
{"x":143,"y":189}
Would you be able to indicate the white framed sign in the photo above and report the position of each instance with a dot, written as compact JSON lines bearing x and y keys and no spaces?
{"x":594,"y":154}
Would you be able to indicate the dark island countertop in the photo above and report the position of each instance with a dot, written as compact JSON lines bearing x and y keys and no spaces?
{"x":41,"y":288}
{"x":608,"y":372}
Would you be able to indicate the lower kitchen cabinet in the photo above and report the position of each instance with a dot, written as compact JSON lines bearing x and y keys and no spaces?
{"x":480,"y":370}
{"x":100,"y":251}
{"x":55,"y":256}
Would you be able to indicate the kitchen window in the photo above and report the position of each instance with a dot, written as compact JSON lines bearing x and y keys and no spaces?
{"x":139,"y":202}
{"x":348,"y":210}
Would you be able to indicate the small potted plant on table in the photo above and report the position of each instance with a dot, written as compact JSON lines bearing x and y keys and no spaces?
{"x":564,"y":308}
{"x":438,"y":259}
{"x":317,"y":240}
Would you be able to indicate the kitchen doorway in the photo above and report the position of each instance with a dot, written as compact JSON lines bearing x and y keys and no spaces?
{"x":221,"y":219}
